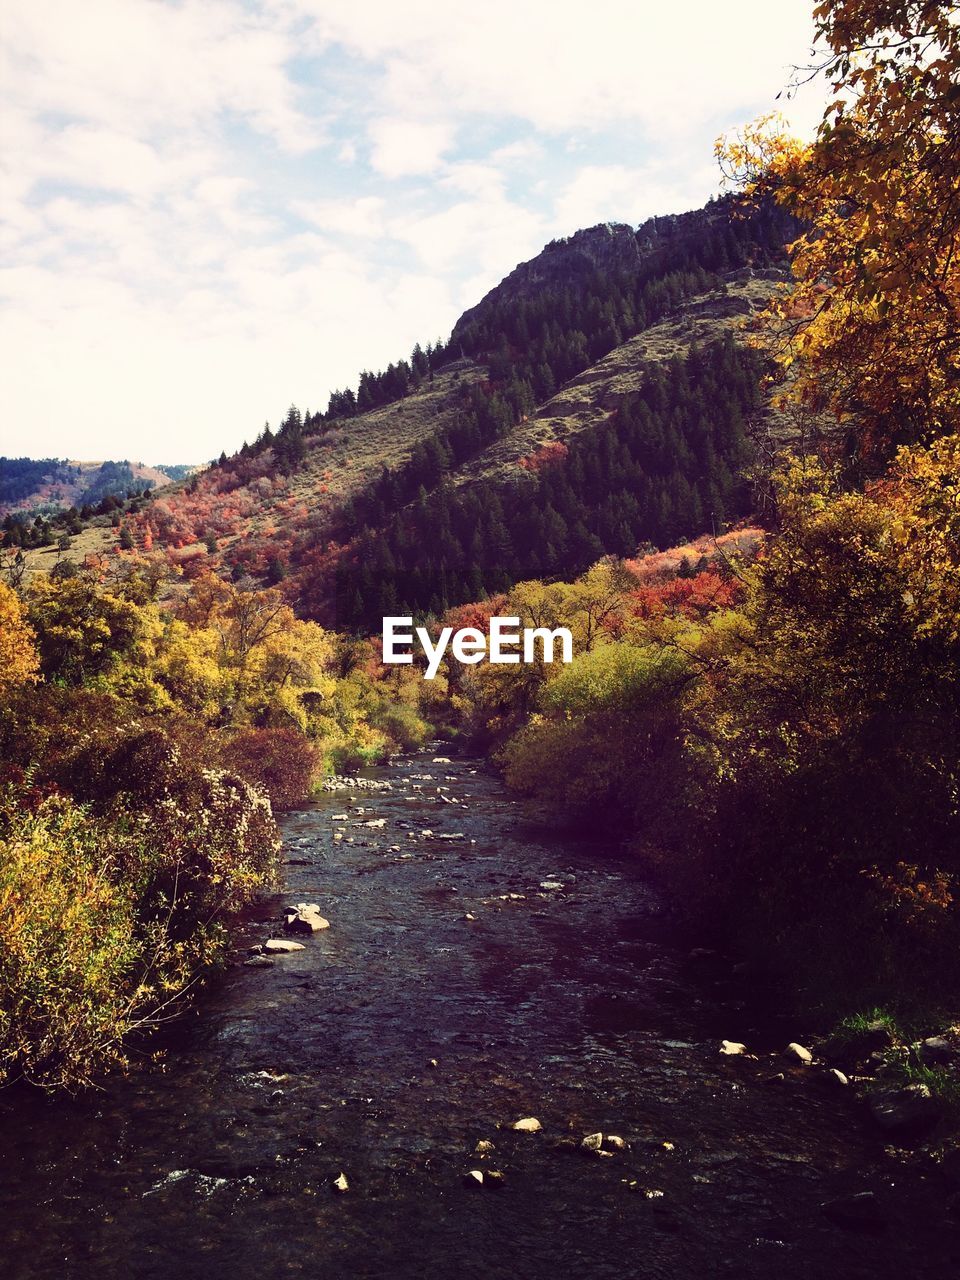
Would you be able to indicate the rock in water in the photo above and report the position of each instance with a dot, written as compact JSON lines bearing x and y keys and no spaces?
{"x":484,"y":1148}
{"x":798,"y":1053}
{"x":281,"y":946}
{"x":528,"y":1125}
{"x":592,"y":1143}
{"x":861,"y":1211}
{"x":305,"y":917}
{"x":905,"y":1111}
{"x":340,"y":1184}
{"x":732,"y":1048}
{"x":474,"y":1179}
{"x":852,"y":1046}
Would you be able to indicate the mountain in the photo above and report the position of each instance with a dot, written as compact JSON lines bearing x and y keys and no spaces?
{"x":43,"y":486}
{"x":602,"y":398}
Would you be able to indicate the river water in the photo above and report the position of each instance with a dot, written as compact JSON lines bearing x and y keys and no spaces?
{"x":406,"y":1033}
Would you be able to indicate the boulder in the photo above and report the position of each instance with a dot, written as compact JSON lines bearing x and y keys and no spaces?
{"x":936,"y":1051}
{"x":305,"y":917}
{"x":905,"y":1111}
{"x":340,"y":1184}
{"x":566,"y":1145}
{"x":797,"y":1053}
{"x":529,"y":1124}
{"x":732,"y":1048}
{"x":281,"y":946}
{"x":592,"y":1143}
{"x":474,"y":1179}
{"x":484,"y":1148}
{"x":861,"y":1211}
{"x":848,"y":1047}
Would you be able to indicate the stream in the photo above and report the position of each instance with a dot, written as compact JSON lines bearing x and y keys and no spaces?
{"x":405,"y":1033}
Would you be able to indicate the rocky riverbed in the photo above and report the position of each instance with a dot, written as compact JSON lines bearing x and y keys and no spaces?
{"x":489,"y":1059}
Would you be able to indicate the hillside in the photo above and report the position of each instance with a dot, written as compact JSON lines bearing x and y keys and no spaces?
{"x":43,"y":486}
{"x":602,"y":398}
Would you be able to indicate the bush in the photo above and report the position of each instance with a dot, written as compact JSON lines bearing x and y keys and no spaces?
{"x":608,"y":742}
{"x":404,"y":728}
{"x":110,"y":909}
{"x":282,"y":761}
{"x":68,"y":950}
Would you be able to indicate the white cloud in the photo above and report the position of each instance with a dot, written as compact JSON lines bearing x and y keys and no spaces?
{"x":480,"y":239}
{"x":212,"y":207}
{"x":566,"y":67}
{"x":514,"y":152}
{"x":404,"y":147}
{"x":483,"y":181}
{"x":618,"y":193}
{"x":363,"y":217}
{"x":154,"y":65}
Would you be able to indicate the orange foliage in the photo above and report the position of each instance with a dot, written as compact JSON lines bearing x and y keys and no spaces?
{"x":689,"y":597}
{"x":548,"y":455}
{"x":475,"y":615}
{"x":661,"y":566}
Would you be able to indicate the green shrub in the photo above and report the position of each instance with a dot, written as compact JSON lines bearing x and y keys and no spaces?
{"x":68,"y":944}
{"x":111,"y":909}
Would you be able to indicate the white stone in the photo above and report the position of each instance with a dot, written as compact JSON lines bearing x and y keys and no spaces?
{"x":798,"y":1053}
{"x":732,"y":1047}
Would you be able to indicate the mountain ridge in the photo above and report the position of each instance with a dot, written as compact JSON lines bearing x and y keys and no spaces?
{"x":541,"y":366}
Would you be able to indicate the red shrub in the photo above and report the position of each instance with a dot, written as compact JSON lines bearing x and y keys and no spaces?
{"x":281,"y":761}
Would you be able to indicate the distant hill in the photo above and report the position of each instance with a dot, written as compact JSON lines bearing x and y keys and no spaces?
{"x":44,"y":486}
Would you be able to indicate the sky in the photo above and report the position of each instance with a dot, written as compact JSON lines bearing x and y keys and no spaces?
{"x":212,"y":209}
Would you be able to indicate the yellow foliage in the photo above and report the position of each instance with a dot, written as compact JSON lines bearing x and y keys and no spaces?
{"x":19,"y":660}
{"x":870,"y":328}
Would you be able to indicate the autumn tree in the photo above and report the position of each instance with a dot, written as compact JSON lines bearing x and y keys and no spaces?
{"x":83,"y":630}
{"x":19,"y":660}
{"x":870,"y":327}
